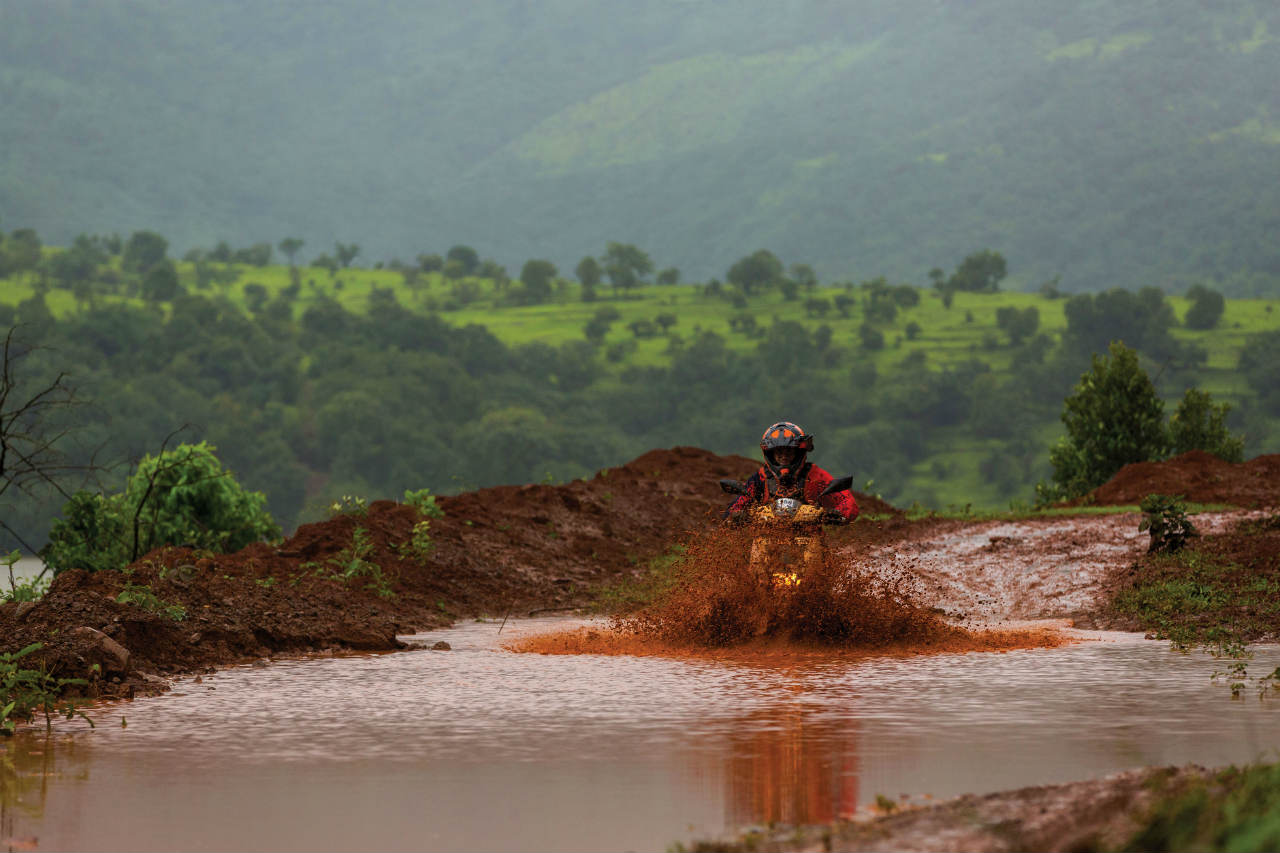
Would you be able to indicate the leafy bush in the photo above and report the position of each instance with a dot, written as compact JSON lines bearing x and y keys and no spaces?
{"x":350,"y":505}
{"x":1165,"y":517}
{"x":181,"y":497}
{"x":353,"y":562}
{"x":1113,"y":418}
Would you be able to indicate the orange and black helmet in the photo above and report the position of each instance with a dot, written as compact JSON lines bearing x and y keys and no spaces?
{"x":785,"y":434}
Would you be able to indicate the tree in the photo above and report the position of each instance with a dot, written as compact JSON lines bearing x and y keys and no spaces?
{"x":290,"y":246}
{"x":22,"y":250}
{"x":1197,"y":424}
{"x":626,"y":266}
{"x":35,"y":432}
{"x":665,"y":321}
{"x":670,"y":275}
{"x":1113,"y":418}
{"x":643,"y":328}
{"x":1260,"y":364}
{"x":430,"y":262}
{"x":345,"y":253}
{"x":78,"y":263}
{"x":870,"y":337}
{"x":537,"y":276}
{"x":1142,"y":319}
{"x":844,"y":303}
{"x":257,"y":255}
{"x":468,"y":257}
{"x":1018,"y":324}
{"x":144,"y":250}
{"x":1206,"y":307}
{"x":804,"y":276}
{"x":980,"y":272}
{"x":761,"y":269}
{"x":160,"y":284}
{"x":588,"y":272}
{"x":817,"y":306}
{"x":913,"y":330}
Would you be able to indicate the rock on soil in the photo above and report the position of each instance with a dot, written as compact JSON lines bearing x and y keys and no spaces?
{"x":1197,"y":476}
{"x":507,"y":550}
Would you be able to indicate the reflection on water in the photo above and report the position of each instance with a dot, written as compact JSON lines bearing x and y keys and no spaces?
{"x":478,"y":748}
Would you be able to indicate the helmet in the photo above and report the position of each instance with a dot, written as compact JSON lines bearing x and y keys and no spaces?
{"x":785,"y":434}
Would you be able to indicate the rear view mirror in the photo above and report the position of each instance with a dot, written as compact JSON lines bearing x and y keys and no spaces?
{"x":843,"y":484}
{"x":733,"y":487}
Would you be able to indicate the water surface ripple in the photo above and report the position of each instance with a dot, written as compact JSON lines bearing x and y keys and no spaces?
{"x":478,"y":748}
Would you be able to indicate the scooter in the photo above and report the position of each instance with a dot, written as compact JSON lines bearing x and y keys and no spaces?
{"x":789,"y":540}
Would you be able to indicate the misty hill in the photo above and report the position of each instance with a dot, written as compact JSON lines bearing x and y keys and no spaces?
{"x":1110,"y":142}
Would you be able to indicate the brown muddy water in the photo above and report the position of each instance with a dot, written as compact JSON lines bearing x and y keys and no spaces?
{"x":483,"y":749}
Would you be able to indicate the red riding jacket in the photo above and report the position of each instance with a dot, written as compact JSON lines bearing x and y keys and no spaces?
{"x":763,"y":487}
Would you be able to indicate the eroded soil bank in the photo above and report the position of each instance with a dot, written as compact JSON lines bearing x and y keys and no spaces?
{"x":524,"y":549}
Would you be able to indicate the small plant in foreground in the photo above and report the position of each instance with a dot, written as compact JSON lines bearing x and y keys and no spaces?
{"x":25,"y":691}
{"x":141,"y":595}
{"x":420,"y":545}
{"x":353,"y":562}
{"x":1165,"y":517}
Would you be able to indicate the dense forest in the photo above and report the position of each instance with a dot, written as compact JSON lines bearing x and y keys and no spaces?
{"x":1108,"y":143}
{"x":307,"y":400}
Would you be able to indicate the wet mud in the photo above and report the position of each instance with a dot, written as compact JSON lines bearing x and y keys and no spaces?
{"x":890,"y":583}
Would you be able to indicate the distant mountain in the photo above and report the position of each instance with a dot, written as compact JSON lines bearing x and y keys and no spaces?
{"x":1107,"y":141}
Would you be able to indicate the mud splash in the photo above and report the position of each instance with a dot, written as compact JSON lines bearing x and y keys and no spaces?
{"x":718,"y":605}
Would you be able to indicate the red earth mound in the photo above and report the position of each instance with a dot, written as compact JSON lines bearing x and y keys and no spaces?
{"x":1199,"y":477}
{"x":509,"y":549}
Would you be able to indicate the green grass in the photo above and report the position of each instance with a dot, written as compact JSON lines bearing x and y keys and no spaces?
{"x":629,"y":594}
{"x":1236,"y":809}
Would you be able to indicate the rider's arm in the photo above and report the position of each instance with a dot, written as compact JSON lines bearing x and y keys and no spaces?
{"x":754,"y":485}
{"x":841,"y":502}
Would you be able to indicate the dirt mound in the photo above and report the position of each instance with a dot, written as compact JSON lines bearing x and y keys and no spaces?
{"x":355,"y":581}
{"x":1200,"y":477}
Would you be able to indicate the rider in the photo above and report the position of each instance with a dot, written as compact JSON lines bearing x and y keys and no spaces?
{"x":787,"y":474}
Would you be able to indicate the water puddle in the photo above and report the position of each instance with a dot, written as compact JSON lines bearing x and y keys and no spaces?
{"x":482,"y":749}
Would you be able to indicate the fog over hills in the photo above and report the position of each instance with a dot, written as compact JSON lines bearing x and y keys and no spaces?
{"x":1112,"y":143}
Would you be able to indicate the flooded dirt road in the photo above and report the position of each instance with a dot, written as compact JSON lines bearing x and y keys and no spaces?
{"x":478,"y":748}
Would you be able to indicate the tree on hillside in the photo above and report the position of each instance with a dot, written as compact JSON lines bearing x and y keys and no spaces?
{"x":537,"y":276}
{"x":144,"y":250}
{"x":1113,"y":417}
{"x":757,"y":271}
{"x":160,"y":283}
{"x":1142,"y":319}
{"x":21,"y":251}
{"x":290,"y":246}
{"x":79,"y":263}
{"x":345,"y":253}
{"x":804,"y":276}
{"x":588,"y":272}
{"x":430,"y":262}
{"x":626,"y":266}
{"x":670,"y":275}
{"x":1198,"y":424}
{"x":1206,"y":307}
{"x":1018,"y":323}
{"x":1260,"y":364}
{"x":980,"y":272}
{"x":466,"y":256}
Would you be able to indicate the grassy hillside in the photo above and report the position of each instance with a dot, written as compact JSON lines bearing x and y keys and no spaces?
{"x":1107,"y":142}
{"x":925,"y":335}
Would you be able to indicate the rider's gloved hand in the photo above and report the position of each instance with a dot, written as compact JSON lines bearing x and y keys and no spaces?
{"x":833,"y":516}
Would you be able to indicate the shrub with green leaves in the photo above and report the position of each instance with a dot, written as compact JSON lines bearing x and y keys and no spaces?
{"x":1165,"y":518}
{"x":424,"y":502}
{"x":141,"y":595}
{"x":1113,"y":418}
{"x":182,"y":496}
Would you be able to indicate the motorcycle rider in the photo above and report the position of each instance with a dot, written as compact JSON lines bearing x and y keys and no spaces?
{"x":787,"y":473}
